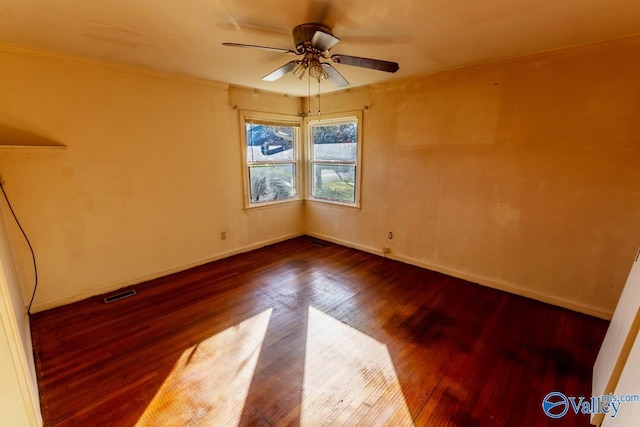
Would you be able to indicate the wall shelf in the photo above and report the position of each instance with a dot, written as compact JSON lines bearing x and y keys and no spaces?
{"x":12,"y":137}
{"x":58,"y":146}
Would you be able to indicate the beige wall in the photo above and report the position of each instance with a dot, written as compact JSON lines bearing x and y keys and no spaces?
{"x":150,"y":177}
{"x":522,"y":175}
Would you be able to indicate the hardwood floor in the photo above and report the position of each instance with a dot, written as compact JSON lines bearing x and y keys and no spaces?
{"x":302,"y":334}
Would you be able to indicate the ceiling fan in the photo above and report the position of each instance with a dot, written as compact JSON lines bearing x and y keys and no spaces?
{"x":313,"y":43}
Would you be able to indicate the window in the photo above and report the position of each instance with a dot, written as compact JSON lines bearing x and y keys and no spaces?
{"x":271,"y":158}
{"x":333,"y":160}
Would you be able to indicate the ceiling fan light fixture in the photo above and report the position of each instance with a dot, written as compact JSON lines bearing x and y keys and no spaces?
{"x":316,"y":71}
{"x":299,"y":70}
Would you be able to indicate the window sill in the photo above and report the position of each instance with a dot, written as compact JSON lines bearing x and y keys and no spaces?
{"x":273,"y":204}
{"x":334,"y":204}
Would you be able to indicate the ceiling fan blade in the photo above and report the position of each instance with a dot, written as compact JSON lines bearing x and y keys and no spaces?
{"x":334,"y":76}
{"x":251,"y":46}
{"x":275,"y":75}
{"x":374,"y":64}
{"x":323,"y":41}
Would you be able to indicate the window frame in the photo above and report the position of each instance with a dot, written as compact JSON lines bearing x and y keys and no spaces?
{"x":278,"y":119}
{"x":335,"y":118}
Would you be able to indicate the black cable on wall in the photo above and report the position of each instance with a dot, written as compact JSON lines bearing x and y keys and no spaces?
{"x":33,"y":255}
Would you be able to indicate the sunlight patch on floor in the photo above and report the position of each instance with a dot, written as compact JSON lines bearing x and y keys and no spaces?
{"x":210,"y":382}
{"x":349,"y":378}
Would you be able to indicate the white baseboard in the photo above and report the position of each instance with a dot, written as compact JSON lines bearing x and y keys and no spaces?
{"x":512,"y":288}
{"x":103,"y":289}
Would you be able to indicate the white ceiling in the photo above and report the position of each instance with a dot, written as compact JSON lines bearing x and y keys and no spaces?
{"x":184,"y":36}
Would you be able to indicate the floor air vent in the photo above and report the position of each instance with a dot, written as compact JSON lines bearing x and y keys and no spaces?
{"x":120,"y":296}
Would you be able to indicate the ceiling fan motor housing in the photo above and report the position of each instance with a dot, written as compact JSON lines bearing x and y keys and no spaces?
{"x":303,"y":34}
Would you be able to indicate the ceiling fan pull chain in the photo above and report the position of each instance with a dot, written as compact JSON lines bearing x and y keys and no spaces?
{"x":309,"y":97}
{"x":318,"y":98}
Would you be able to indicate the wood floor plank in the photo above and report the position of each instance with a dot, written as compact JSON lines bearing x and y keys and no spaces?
{"x":304,"y":334}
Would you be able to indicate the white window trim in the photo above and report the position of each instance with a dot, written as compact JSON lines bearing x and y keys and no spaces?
{"x":328,"y":119}
{"x":297,"y":156}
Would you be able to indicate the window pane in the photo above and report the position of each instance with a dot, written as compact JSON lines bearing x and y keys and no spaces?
{"x":272,"y":182}
{"x":269,"y":143}
{"x":335,"y":141}
{"x":334,"y":182}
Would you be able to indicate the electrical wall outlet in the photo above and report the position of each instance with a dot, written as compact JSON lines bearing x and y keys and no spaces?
{"x":390,"y":235}
{"x":223,"y":235}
